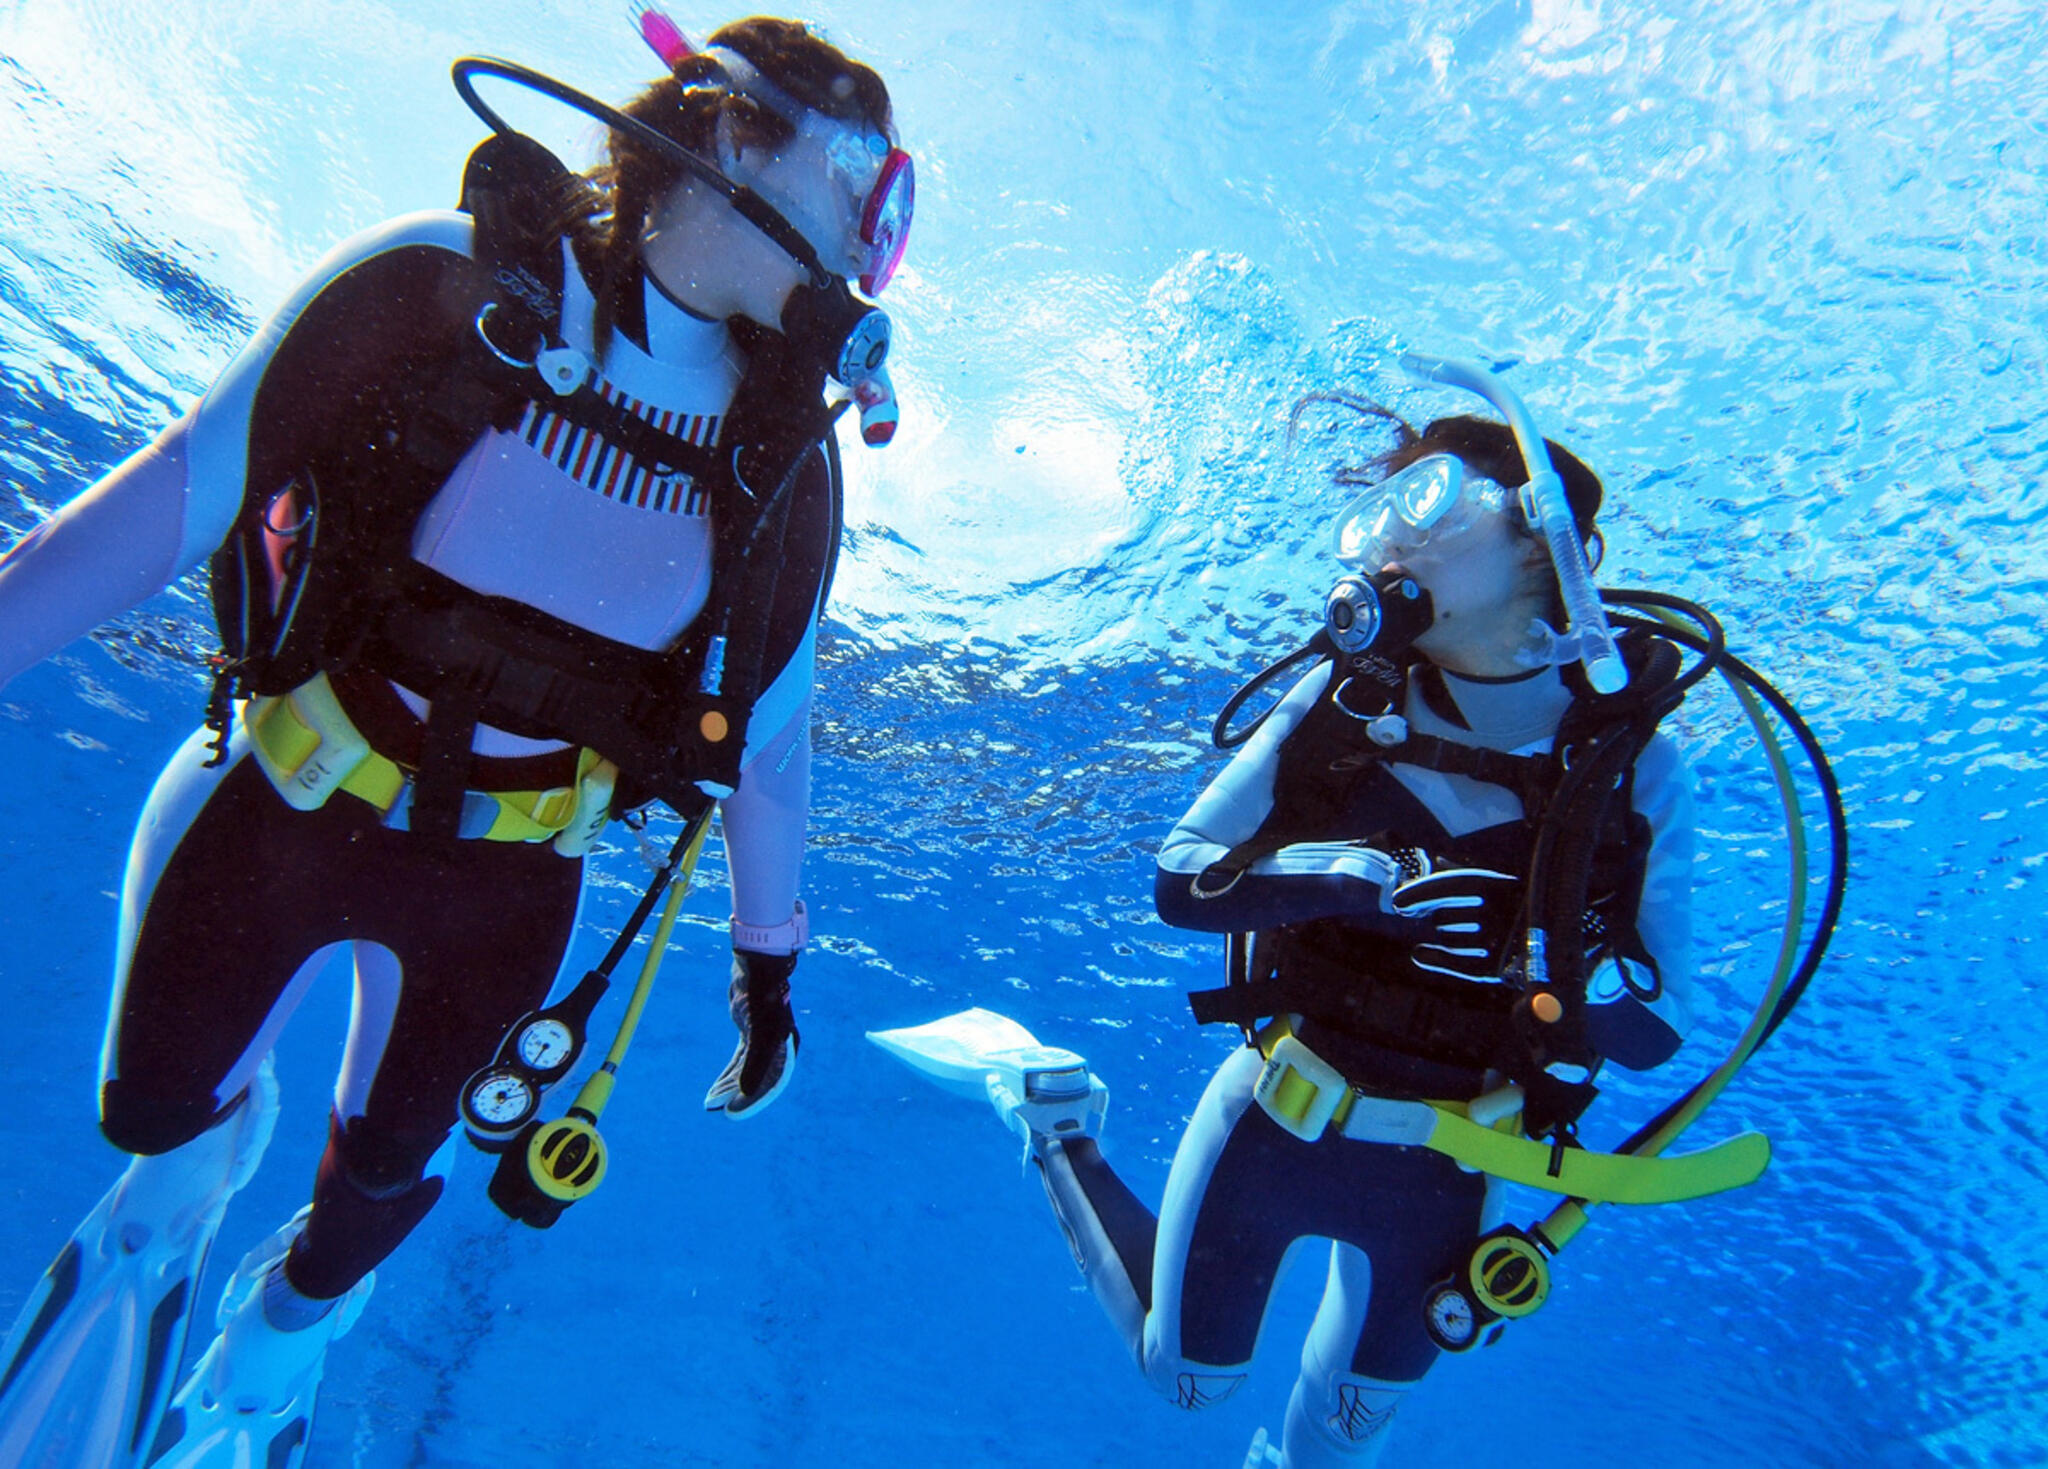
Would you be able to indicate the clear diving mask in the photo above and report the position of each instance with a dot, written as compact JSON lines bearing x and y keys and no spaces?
{"x":875,"y":180}
{"x":1433,"y":499}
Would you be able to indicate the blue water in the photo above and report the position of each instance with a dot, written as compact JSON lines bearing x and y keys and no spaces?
{"x":1775,"y":270}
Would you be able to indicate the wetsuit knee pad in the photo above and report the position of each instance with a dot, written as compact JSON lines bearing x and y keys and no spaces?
{"x":369,"y":1194}
{"x":137,"y":1121}
{"x":374,"y":1162}
{"x":1340,"y":1419}
{"x":1360,"y":1410}
{"x":1192,"y":1391}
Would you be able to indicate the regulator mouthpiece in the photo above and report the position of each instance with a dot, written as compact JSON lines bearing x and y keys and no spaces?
{"x":1384,"y":616}
{"x":875,"y":397}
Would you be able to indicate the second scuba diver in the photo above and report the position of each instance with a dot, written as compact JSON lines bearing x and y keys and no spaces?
{"x":1457,"y":880}
{"x":518,"y":518}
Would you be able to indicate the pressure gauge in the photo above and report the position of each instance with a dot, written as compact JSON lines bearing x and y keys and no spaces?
{"x":546,"y":1044}
{"x":1449,"y":1317}
{"x":497,"y":1102}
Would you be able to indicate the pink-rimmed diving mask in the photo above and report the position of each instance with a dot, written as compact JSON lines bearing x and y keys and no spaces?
{"x":877,"y":179}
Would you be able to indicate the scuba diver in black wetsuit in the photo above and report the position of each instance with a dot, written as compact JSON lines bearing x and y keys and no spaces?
{"x":1455,"y":862}
{"x":1382,"y":884}
{"x":519,"y":518}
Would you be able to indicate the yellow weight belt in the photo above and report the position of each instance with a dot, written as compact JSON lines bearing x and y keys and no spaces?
{"x":1306,"y":1095}
{"x":310,"y":748}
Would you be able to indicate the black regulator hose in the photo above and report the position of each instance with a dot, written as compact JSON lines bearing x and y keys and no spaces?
{"x":1220,"y":733}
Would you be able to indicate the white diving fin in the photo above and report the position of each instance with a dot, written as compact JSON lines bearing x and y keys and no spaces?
{"x":87,"y":1370}
{"x":1038,"y":1090}
{"x":249,"y":1400}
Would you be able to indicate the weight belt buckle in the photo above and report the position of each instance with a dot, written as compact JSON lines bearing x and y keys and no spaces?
{"x":1299,"y":1089}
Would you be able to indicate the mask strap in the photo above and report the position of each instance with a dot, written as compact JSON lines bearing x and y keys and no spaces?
{"x":728,"y":147}
{"x":747,"y":79}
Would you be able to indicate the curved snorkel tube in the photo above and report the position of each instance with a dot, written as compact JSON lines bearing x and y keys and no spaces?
{"x":1586,"y":638}
{"x":750,"y":206}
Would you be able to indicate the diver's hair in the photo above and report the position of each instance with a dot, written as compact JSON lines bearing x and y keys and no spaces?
{"x":686,"y":106}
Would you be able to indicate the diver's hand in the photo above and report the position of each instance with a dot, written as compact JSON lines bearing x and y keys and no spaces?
{"x":765,"y":1058}
{"x":1466,"y":915}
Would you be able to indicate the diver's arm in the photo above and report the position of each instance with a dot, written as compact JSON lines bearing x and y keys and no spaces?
{"x":766,"y":814}
{"x":764,"y":846}
{"x":113,"y":546}
{"x":1299,"y":882}
{"x":167,"y":507}
{"x":1634,"y":1033}
{"x":764,"y":818}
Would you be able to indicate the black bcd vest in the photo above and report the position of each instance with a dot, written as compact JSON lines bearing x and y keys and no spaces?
{"x":1580,"y":850}
{"x":318,"y":573}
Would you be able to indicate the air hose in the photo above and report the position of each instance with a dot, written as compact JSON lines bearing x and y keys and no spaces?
{"x":1506,"y":1275}
{"x":552,"y":1165}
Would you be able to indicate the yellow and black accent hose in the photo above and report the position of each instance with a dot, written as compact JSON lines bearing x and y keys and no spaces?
{"x":1796,"y":963}
{"x":551,"y":1165}
{"x":1519,"y":1255}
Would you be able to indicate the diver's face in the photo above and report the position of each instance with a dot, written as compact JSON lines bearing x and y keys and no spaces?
{"x":800,"y":180}
{"x":1481,"y":579}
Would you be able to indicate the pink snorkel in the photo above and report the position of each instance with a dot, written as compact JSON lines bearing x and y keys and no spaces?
{"x":662,"y":36}
{"x":885,"y":217}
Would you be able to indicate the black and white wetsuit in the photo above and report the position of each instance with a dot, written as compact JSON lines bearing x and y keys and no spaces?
{"x":1189,"y":1292}
{"x":233,"y":899}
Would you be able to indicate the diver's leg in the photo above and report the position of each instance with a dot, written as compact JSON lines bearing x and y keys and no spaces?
{"x":90,"y":1362}
{"x":1335,"y":1416}
{"x":1368,"y":1347}
{"x":1204,"y":1256}
{"x":1235,"y":1206}
{"x":465,"y":943}
{"x":457,"y":944}
{"x":220,"y":924}
{"x":1109,"y":1230}
{"x":250,"y":1397}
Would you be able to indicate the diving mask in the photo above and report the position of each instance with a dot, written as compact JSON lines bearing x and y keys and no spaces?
{"x":876,"y":181}
{"x":1433,"y":499}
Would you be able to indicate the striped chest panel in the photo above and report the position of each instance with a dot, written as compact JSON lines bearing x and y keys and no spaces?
{"x":608,"y":470}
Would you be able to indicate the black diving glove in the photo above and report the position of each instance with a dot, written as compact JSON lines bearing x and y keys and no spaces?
{"x":765,"y":1058}
{"x":1466,"y":916}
